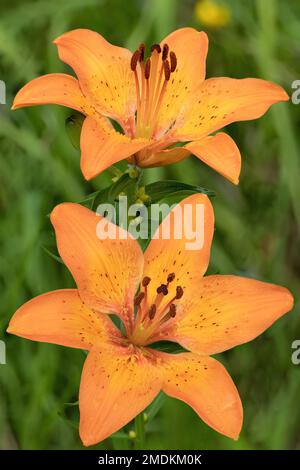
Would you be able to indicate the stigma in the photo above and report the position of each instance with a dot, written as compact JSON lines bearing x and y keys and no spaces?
{"x":152,"y":76}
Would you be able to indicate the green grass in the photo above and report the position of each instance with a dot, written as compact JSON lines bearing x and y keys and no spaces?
{"x":257,"y":223}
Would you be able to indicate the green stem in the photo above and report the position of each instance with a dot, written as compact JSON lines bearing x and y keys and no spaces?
{"x":139,"y":425}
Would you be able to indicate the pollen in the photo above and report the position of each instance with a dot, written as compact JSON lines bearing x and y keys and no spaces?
{"x":142,"y":49}
{"x":155,"y":314}
{"x":167,"y":70}
{"x":138,"y":299}
{"x":162,"y":289}
{"x":165,"y":52}
{"x":179,"y":292}
{"x":170,"y":277}
{"x":172,"y":311}
{"x":173,"y":61}
{"x":146,"y":281}
{"x":156,"y":47}
{"x":147,"y":69}
{"x":152,"y":311}
{"x":134,"y":60}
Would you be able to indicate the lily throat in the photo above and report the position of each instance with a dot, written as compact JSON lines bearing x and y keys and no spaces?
{"x":153,"y":317}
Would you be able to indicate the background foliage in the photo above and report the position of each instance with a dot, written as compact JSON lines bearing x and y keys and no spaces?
{"x":257,"y":223}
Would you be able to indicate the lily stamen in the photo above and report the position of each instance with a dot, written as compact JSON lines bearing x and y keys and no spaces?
{"x":150,"y":87}
{"x":165,"y":51}
{"x":138,"y":299}
{"x":152,"y":311}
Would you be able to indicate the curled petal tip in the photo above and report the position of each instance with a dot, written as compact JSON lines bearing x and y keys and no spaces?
{"x":56,"y":40}
{"x":87,"y":173}
{"x":281,"y":93}
{"x":58,"y":211}
{"x":285,"y":95}
{"x":16,"y":103}
{"x":289,"y":299}
{"x":9,"y":329}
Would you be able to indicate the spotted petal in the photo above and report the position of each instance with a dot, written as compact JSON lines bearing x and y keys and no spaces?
{"x":190,"y":47}
{"x":102,"y":146}
{"x":181,"y":245}
{"x":55,"y":88}
{"x":205,"y":385}
{"x":103,"y":71}
{"x":221,"y":312}
{"x":104,"y":260}
{"x":117,"y":383}
{"x":221,"y":101}
{"x":60,"y":317}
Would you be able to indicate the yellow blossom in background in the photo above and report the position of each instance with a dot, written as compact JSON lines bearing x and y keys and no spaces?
{"x":212,"y":14}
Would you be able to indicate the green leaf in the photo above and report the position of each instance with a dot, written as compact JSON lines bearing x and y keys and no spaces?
{"x":125,"y":184}
{"x":75,"y":403}
{"x":162,"y":189}
{"x":57,"y":258}
{"x":155,"y":406}
{"x":168,"y":347}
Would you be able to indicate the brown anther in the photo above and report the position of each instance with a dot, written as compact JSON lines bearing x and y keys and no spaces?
{"x":147,"y":69}
{"x":156,"y":47}
{"x":139,"y":298}
{"x":167,"y":70}
{"x":142,"y":52}
{"x":152,"y":312}
{"x":172,"y":311}
{"x":146,"y":281}
{"x":171,"y":277}
{"x":165,"y":51}
{"x":162,"y":289}
{"x":173,"y":61}
{"x":134,"y":59}
{"x":179,"y":292}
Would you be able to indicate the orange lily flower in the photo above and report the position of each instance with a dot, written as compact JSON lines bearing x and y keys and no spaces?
{"x":159,"y":101}
{"x":158,"y":295}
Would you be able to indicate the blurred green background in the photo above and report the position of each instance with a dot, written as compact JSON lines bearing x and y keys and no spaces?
{"x":257,"y":223}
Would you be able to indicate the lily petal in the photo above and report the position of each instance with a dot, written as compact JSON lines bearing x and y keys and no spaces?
{"x":103,"y":71}
{"x":60,"y":317}
{"x":117,"y":383}
{"x":227,"y":311}
{"x":221,"y":101}
{"x":55,"y":88}
{"x":181,"y":245}
{"x":102,"y":146}
{"x":107,"y":271}
{"x":190,"y":47}
{"x":219,"y":152}
{"x":205,"y":385}
{"x":165,"y":157}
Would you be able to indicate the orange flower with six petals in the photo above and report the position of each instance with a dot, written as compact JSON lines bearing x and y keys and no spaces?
{"x":123,"y":373}
{"x":158,"y":101}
